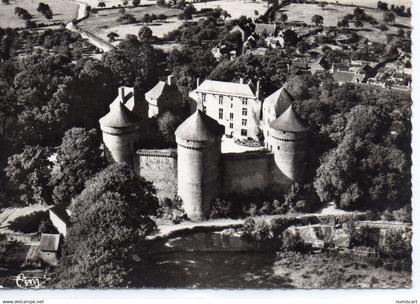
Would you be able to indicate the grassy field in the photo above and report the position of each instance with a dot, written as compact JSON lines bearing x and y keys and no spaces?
{"x":105,"y":21}
{"x":332,"y":13}
{"x":63,"y":11}
{"x":340,"y":271}
{"x":235,"y":8}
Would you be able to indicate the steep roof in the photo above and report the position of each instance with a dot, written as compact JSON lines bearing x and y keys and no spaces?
{"x":161,"y":89}
{"x":61,"y":212}
{"x":226,"y":88}
{"x":320,"y":64}
{"x":119,"y":117}
{"x":289,"y":122}
{"x":49,"y":242}
{"x":199,"y":127}
{"x":281,"y":100}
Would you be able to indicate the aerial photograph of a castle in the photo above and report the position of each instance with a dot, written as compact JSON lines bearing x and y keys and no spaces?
{"x":205,"y":144}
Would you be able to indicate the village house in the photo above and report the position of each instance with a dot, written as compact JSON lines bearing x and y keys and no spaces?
{"x":49,"y":248}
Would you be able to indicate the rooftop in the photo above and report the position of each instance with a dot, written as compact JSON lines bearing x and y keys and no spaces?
{"x":226,"y":88}
{"x":280,"y":99}
{"x":161,"y":89}
{"x":119,"y":117}
{"x":49,"y":242}
{"x":199,"y":127}
{"x":61,"y":212}
{"x":289,"y":122}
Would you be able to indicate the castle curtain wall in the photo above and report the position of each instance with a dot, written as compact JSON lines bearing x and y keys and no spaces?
{"x":160,"y":168}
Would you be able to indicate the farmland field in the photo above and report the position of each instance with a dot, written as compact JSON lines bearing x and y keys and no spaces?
{"x":105,"y":21}
{"x":63,"y":11}
{"x":235,"y":8}
{"x":372,"y":3}
{"x":332,"y":13}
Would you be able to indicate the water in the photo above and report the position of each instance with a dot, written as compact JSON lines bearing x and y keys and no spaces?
{"x":210,"y":260}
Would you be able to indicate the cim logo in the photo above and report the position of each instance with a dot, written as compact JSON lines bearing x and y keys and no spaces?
{"x":30,"y":282}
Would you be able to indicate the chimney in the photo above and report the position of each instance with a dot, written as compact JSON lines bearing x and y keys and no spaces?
{"x":170,"y":80}
{"x":121,"y":93}
{"x":241,"y":80}
{"x":257,"y":93}
{"x":198,"y":82}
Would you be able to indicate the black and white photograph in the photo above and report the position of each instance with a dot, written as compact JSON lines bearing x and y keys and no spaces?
{"x":193,"y":144}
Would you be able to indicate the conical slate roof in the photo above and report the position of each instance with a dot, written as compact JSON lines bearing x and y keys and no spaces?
{"x":281,"y":100}
{"x":289,"y":122}
{"x":199,"y":127}
{"x":119,"y":117}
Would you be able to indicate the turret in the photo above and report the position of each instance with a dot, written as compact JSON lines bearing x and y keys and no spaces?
{"x":120,"y":131}
{"x":199,"y":150}
{"x":287,"y":140}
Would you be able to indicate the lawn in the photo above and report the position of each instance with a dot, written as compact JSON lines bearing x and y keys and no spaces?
{"x":63,"y":11}
{"x":105,"y":21}
{"x":332,"y":13}
{"x":235,"y":8}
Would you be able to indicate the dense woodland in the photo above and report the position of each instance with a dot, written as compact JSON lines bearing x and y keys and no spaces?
{"x":51,"y":99}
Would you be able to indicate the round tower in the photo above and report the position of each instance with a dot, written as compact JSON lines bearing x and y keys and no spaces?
{"x":287,"y":140}
{"x":199,"y":150}
{"x":120,"y":132}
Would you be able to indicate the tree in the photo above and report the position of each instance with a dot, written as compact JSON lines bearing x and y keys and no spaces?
{"x":134,"y":63}
{"x":225,"y":15}
{"x":389,"y":17}
{"x":323,"y":4}
{"x":111,"y":36}
{"x":122,"y":11}
{"x":145,"y":33}
{"x":167,"y":124}
{"x":5,"y":2}
{"x":110,"y":217}
{"x":317,"y":20}
{"x":302,"y":46}
{"x":343,"y":23}
{"x":283,"y":17}
{"x":188,"y":12}
{"x":358,"y":23}
{"x":136,"y":2}
{"x":78,"y":159}
{"x":146,"y":18}
{"x":30,"y":171}
{"x":101,"y":4}
{"x":125,"y":2}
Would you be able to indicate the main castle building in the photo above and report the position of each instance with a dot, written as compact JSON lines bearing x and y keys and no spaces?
{"x":197,"y":170}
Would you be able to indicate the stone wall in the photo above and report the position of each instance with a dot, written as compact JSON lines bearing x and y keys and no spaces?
{"x":242,"y":172}
{"x":160,"y":168}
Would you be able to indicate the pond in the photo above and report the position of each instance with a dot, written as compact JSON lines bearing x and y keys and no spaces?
{"x":210,"y":260}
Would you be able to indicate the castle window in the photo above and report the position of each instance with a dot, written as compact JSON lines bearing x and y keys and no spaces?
{"x":220,"y":113}
{"x":231,"y":115}
{"x":231,"y":104}
{"x":231,"y":125}
{"x":244,"y":122}
{"x":244,"y":132}
{"x":278,"y":147}
{"x":220,"y":99}
{"x":244,"y":101}
{"x":244,"y":111}
{"x":203,"y":97}
{"x":204,"y":109}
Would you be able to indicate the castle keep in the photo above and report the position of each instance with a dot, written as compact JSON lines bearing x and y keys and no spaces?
{"x":197,"y":170}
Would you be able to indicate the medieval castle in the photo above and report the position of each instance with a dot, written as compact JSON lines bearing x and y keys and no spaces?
{"x":197,"y":171}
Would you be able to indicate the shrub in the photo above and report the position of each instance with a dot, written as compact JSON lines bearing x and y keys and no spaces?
{"x":171,"y":210}
{"x":256,"y":230}
{"x":221,"y":209}
{"x":293,"y":242}
{"x":30,"y":223}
